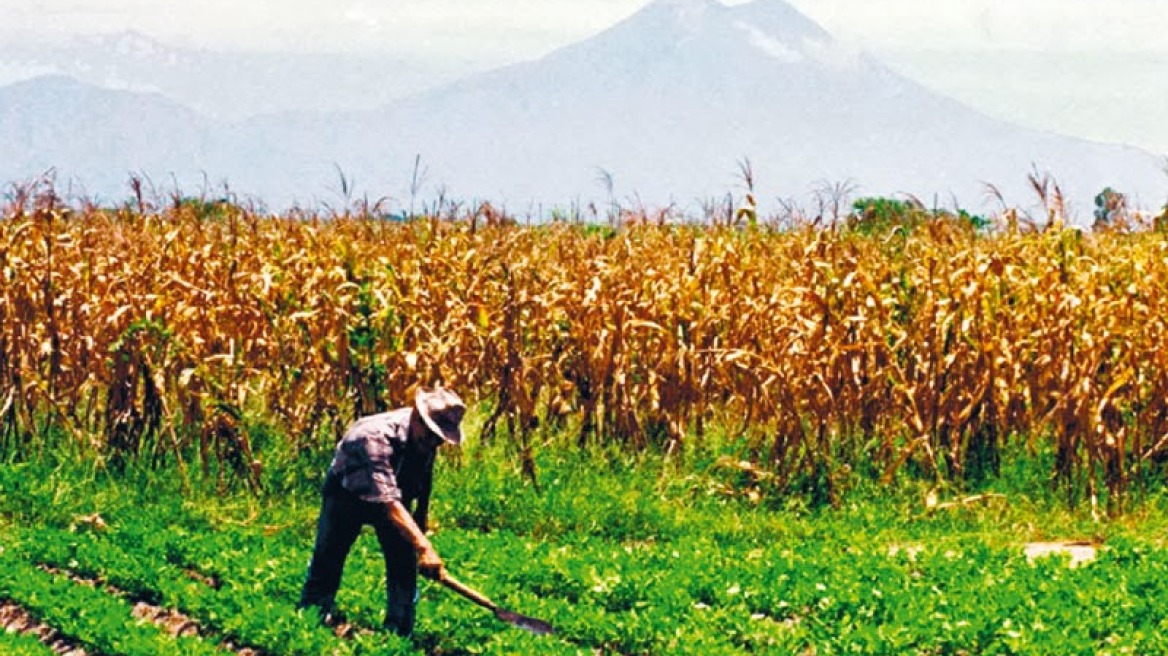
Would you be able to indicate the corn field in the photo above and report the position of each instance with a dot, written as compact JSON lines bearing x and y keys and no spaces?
{"x":139,"y":333}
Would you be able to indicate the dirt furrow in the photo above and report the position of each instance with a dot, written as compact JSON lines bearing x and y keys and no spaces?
{"x":173,"y":622}
{"x":15,"y":619}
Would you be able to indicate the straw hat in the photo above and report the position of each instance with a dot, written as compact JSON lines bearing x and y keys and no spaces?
{"x":442,"y":412}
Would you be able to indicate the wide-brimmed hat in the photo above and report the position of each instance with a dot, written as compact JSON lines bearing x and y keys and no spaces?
{"x":442,"y":412}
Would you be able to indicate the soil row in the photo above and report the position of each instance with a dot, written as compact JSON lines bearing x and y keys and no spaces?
{"x":15,"y":619}
{"x":171,"y":621}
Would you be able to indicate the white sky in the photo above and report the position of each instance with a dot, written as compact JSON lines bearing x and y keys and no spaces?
{"x":526,"y":28}
{"x":1111,"y":85}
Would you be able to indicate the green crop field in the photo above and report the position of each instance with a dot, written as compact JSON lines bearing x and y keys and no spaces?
{"x":622,"y":555}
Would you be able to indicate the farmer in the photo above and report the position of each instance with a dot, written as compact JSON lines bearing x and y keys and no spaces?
{"x":383,"y":464}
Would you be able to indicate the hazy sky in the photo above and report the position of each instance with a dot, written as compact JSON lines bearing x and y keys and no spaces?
{"x":1093,"y":68}
{"x":530,"y":27}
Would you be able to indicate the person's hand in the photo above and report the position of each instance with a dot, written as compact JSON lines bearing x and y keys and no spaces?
{"x":429,"y":564}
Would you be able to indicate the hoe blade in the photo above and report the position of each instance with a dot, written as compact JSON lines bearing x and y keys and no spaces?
{"x":530,"y":624}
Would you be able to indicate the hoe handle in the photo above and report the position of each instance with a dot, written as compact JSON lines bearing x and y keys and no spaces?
{"x":468,"y":592}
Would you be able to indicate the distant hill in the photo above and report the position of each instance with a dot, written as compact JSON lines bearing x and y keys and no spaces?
{"x":97,"y":136}
{"x":666,"y":103}
{"x":234,"y":85}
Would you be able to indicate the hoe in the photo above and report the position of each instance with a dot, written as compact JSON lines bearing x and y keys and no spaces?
{"x":538,"y":627}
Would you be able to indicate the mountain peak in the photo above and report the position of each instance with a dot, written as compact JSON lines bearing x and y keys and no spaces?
{"x":770,"y":30}
{"x":684,"y":5}
{"x":780,"y":31}
{"x":777,"y":17}
{"x":688,"y":15}
{"x":772,"y":16}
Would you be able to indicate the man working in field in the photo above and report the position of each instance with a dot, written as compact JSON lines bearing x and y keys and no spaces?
{"x":383,"y":464}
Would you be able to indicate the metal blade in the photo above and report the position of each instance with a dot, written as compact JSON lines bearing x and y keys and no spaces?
{"x":530,"y":624}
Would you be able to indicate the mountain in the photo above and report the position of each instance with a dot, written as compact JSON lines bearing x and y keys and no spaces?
{"x":669,"y":101}
{"x":232,"y":85}
{"x":96,"y":138}
{"x":666,"y":104}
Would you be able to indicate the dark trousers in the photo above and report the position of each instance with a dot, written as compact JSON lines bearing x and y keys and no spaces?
{"x":342,"y":516}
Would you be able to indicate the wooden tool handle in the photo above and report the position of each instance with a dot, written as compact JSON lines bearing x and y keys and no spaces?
{"x":468,"y":592}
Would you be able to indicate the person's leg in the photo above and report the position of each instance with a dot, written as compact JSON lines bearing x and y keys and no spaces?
{"x":401,"y":577}
{"x":336,"y":530}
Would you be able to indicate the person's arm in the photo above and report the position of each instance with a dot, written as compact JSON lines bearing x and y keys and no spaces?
{"x":429,"y":564}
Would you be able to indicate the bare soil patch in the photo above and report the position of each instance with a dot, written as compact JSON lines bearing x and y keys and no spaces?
{"x":15,"y":619}
{"x":1080,"y":552}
